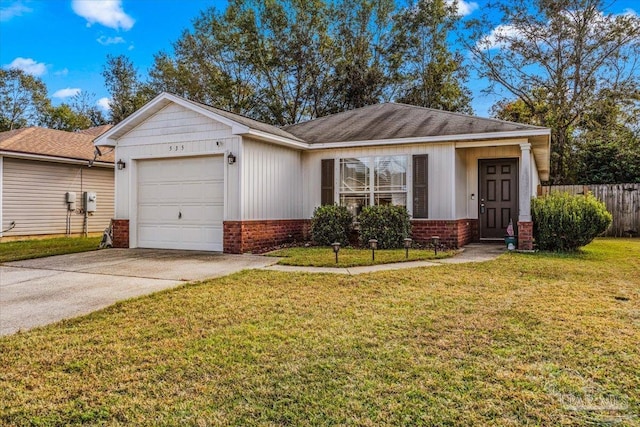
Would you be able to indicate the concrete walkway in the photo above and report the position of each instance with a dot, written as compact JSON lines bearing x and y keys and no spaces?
{"x":475,"y":252}
{"x":46,"y":290}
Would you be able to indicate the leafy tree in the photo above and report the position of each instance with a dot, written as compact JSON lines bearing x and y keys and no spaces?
{"x":23,"y":99}
{"x":81,"y":113}
{"x":124,"y":85}
{"x":360,"y":75}
{"x":429,"y":74}
{"x":560,"y":53}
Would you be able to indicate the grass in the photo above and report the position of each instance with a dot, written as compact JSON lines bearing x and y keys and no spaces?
{"x":38,"y":248}
{"x":322,"y":256}
{"x":526,"y":339}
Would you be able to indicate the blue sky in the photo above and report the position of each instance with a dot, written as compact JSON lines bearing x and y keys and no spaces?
{"x":65,"y":42}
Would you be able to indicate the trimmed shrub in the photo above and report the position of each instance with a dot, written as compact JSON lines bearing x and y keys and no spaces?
{"x":331,"y":223}
{"x":562,"y":222}
{"x":388,"y":224}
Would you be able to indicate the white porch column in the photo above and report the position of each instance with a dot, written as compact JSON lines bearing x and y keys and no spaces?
{"x":525,"y":183}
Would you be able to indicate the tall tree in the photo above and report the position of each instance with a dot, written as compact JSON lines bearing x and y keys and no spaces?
{"x":23,"y":99}
{"x":560,"y":53}
{"x":123,"y":83}
{"x":428,"y":73}
{"x":80,"y":113}
{"x":360,"y":71}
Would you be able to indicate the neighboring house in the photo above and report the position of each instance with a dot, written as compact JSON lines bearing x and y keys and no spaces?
{"x":196,"y":177}
{"x":38,"y":166}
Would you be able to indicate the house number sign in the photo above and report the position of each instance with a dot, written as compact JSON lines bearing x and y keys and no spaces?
{"x":176,"y":147}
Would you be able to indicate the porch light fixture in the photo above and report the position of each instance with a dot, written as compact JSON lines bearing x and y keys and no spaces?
{"x":336,"y":249}
{"x":407,"y":245}
{"x":373,"y":244}
{"x":231,"y":159}
{"x":436,"y":241}
{"x":121,"y":165}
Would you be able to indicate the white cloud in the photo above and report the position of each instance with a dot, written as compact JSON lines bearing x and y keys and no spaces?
{"x":105,"y":12}
{"x":62,"y":72}
{"x":497,"y":38}
{"x":29,"y":66}
{"x":630,"y":12}
{"x":16,"y":9}
{"x":105,"y":41}
{"x":104,"y":104}
{"x":66,"y":93}
{"x":464,"y":7}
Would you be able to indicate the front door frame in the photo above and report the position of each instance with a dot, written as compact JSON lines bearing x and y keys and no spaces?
{"x":515,"y":192}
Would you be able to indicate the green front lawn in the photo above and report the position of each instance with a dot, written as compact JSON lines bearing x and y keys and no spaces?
{"x":323,"y":256}
{"x":38,"y":248}
{"x":538,"y":339}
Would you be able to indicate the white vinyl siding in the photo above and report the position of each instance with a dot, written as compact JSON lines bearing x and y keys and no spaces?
{"x":175,"y":132}
{"x":33,"y":195}
{"x":271,"y":181}
{"x":440,"y":174}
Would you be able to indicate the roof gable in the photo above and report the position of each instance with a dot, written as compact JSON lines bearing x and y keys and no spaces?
{"x":240,"y":125}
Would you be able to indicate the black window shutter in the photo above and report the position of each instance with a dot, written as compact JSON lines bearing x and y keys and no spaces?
{"x":420,"y":187}
{"x":327,"y":182}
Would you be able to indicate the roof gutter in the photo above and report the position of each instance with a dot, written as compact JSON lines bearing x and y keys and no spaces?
{"x":55,"y":159}
{"x":432,"y":139}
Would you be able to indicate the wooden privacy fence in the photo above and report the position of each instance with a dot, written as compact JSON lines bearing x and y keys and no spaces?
{"x":622,"y":200}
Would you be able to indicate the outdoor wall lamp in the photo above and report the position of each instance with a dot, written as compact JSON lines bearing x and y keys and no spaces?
{"x":435,"y":240}
{"x":121,"y":165}
{"x":231,"y":159}
{"x":373,"y":244}
{"x":336,"y":249}
{"x":407,"y":245}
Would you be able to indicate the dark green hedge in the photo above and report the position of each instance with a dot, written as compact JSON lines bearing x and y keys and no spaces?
{"x":388,"y":224}
{"x":562,"y":222}
{"x":331,"y":223}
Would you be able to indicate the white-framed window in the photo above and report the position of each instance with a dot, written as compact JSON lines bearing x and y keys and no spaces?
{"x":367,"y":181}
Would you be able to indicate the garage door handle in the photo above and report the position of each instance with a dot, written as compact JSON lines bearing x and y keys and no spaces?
{"x":179,"y":215}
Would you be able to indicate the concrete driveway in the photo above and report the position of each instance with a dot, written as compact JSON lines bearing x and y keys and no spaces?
{"x":45,"y":290}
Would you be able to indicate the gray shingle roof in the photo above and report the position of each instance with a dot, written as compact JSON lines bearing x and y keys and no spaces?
{"x":253,"y":124}
{"x":392,"y":121}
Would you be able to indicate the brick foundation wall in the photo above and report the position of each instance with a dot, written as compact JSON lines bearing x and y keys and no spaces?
{"x":525,"y":235}
{"x":120,"y":233}
{"x":260,"y":236}
{"x":452,"y":233}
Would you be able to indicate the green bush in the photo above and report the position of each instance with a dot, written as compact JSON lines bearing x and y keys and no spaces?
{"x":562,"y":222}
{"x":331,"y":224}
{"x":388,"y":224}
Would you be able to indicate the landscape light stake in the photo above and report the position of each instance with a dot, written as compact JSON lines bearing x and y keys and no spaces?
{"x":336,"y":249}
{"x":373,"y":243}
{"x":435,"y":240}
{"x":407,"y":245}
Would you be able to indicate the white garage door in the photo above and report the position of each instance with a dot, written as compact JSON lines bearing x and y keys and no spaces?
{"x":181,"y":203}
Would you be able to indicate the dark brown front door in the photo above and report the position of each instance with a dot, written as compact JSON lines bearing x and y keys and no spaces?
{"x":498,"y":197}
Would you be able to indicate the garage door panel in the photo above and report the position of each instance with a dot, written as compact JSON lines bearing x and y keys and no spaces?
{"x":192,"y":187}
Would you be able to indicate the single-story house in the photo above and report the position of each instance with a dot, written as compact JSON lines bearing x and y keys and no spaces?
{"x":38,"y":167}
{"x":191,"y":176}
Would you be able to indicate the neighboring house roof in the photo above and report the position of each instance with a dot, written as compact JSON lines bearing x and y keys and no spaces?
{"x":53,"y":143}
{"x":96,"y":130}
{"x":395,"y":121}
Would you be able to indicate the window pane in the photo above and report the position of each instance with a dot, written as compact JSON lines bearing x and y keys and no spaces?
{"x":354,"y":203}
{"x":354,"y":175}
{"x":391,"y":173}
{"x":395,"y":199}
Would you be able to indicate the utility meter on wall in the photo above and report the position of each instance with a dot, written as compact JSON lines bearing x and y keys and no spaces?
{"x":90,"y":201}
